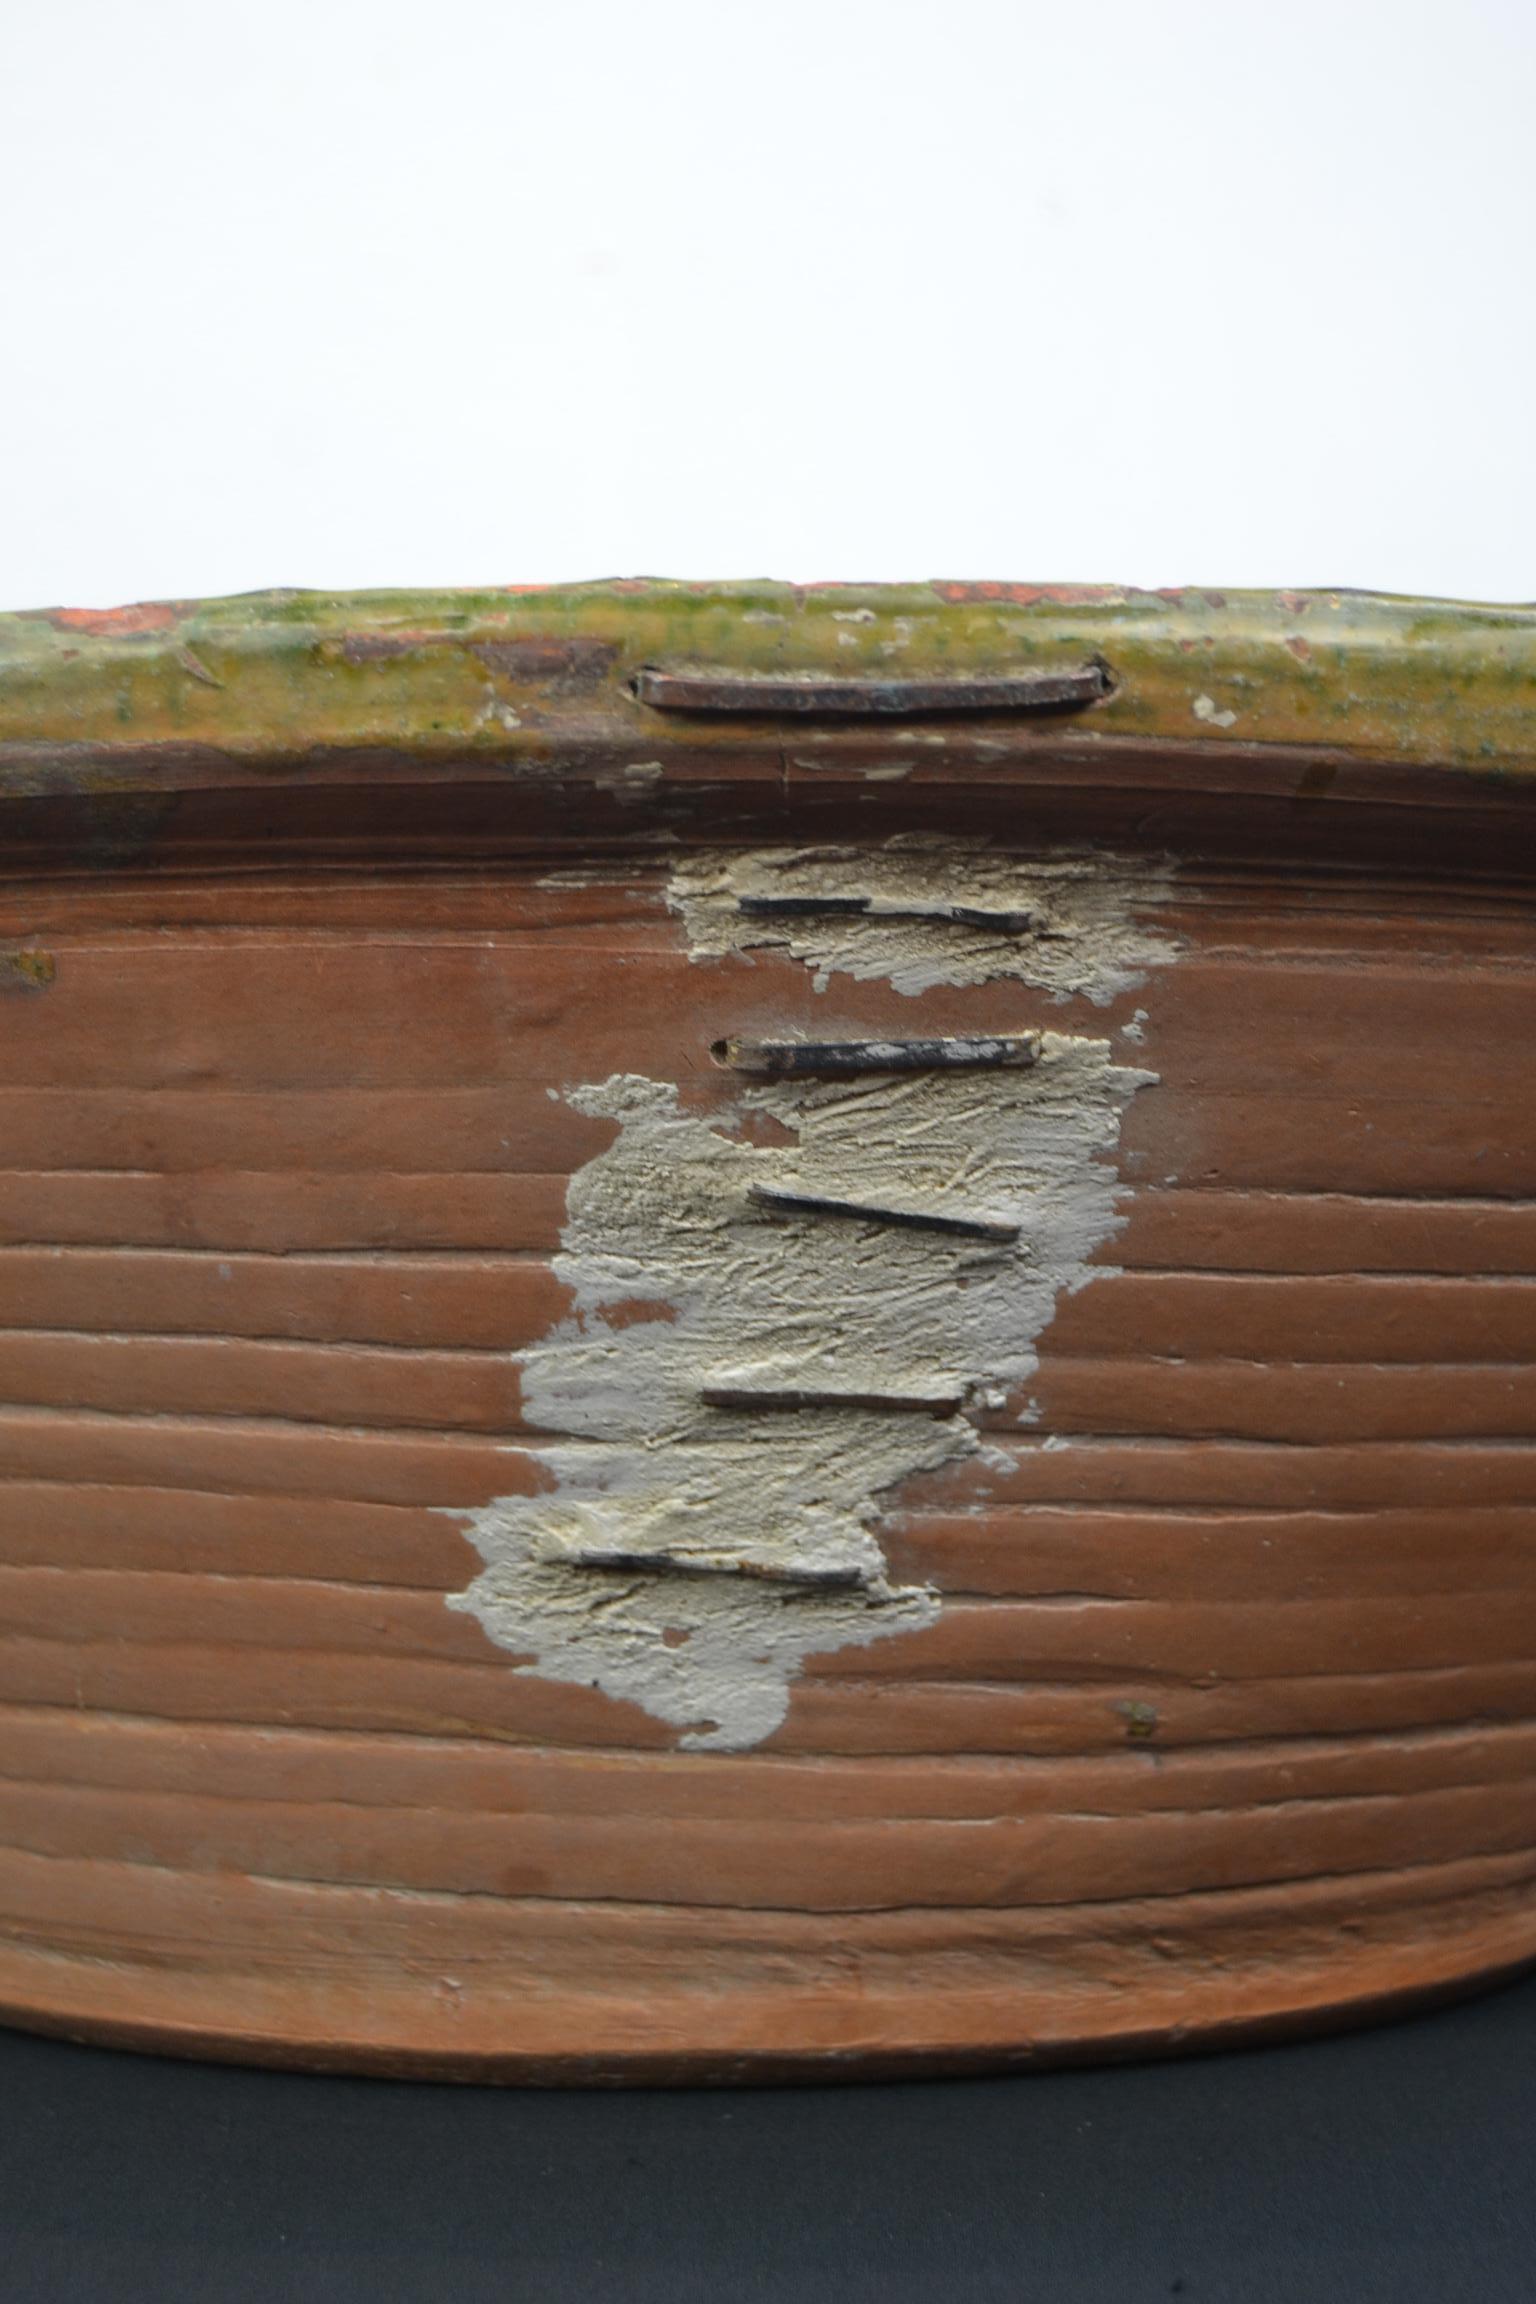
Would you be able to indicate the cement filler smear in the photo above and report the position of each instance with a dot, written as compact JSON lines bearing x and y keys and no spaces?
{"x":689,"y":1557}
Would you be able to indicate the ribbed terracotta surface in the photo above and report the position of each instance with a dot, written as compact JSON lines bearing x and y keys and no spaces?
{"x":1229,"y":1717}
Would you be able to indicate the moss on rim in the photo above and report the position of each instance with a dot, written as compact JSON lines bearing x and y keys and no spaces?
{"x":269,"y":681}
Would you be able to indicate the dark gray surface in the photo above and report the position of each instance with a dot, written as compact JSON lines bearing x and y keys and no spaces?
{"x":1397,"y":2164}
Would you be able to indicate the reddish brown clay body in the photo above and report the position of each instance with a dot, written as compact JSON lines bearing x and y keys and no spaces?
{"x":720,"y":1380}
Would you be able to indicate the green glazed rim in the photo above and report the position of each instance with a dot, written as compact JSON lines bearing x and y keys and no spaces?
{"x":182,"y":693}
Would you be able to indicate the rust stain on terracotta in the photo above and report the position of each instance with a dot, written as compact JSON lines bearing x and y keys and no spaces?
{"x":386,"y":647}
{"x":572,"y":661}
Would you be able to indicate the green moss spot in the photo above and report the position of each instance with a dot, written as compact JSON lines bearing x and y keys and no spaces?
{"x":27,"y":970}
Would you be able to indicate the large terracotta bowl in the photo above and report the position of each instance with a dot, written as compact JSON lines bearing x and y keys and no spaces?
{"x":752,"y":1330}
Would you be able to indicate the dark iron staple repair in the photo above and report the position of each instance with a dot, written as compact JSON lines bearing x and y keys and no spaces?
{"x":836,"y":1059}
{"x":1016,"y":922}
{"x":682,"y":1564}
{"x":781,"y":1202}
{"x":789,"y":1399}
{"x":1043,"y":688}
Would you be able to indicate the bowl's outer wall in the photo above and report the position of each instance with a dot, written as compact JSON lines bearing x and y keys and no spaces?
{"x":1228,"y":1718}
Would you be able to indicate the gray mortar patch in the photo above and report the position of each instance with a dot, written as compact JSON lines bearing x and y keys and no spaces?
{"x":689,"y":1557}
{"x":1085,"y":939}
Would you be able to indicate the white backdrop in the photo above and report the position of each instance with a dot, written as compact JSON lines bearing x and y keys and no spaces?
{"x":354,"y":292}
